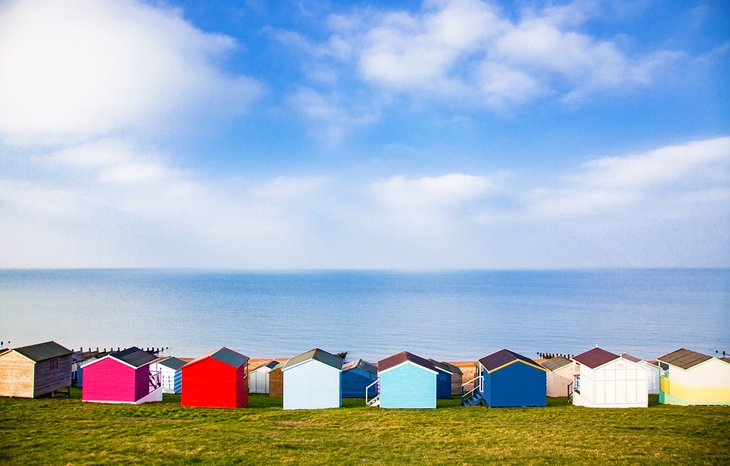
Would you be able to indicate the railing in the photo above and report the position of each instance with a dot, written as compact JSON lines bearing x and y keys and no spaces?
{"x":477,"y":384}
{"x":367,"y":391}
{"x":576,"y":384}
{"x":155,"y":381}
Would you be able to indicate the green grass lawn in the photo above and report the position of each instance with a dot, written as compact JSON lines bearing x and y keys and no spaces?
{"x":68,"y":431}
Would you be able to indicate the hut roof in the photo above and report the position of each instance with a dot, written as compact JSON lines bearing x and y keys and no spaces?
{"x":454,"y":369}
{"x":360,"y":364}
{"x":224,"y":355}
{"x":173,"y":363}
{"x":43,"y":351}
{"x":595,"y":357}
{"x":501,"y":358}
{"x":318,"y":355}
{"x":270,"y":365}
{"x":556,"y":363}
{"x":404,"y":356}
{"x":684,"y":358}
{"x":630,"y":357}
{"x":133,"y":356}
{"x":445,"y":367}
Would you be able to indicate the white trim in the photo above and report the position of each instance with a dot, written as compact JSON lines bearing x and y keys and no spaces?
{"x":408,"y":362}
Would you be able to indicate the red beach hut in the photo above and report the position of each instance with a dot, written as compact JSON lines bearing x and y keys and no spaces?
{"x":216,"y":380}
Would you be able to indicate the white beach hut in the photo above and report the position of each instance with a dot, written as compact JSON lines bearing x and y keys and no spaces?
{"x":652,"y":373}
{"x":605,"y":380}
{"x":312,"y":380}
{"x":559,"y":376}
{"x":258,"y":378}
{"x":170,"y":374}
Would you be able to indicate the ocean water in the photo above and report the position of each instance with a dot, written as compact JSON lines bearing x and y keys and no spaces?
{"x":449,"y":315}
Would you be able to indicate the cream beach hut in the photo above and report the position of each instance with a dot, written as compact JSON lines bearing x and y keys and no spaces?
{"x":606,"y":380}
{"x":693,"y":378}
{"x":559,"y":376}
{"x":258,"y":379}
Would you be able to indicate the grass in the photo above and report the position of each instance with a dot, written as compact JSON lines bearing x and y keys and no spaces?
{"x":68,"y":431}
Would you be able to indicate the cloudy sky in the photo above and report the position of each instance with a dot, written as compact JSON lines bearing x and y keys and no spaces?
{"x":395,"y":134}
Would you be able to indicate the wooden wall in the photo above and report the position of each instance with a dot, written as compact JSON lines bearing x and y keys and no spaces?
{"x":276,"y":382}
{"x":52,"y":374}
{"x":16,"y":375}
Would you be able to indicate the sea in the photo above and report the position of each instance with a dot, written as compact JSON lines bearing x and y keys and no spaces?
{"x":448,"y":315}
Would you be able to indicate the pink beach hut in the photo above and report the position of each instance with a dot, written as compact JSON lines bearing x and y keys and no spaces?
{"x":122,"y":377}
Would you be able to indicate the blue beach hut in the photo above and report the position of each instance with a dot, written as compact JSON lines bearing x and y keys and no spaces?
{"x":443,"y":380}
{"x":313,"y":380}
{"x":406,"y":381}
{"x":511,"y":380}
{"x":356,"y":376}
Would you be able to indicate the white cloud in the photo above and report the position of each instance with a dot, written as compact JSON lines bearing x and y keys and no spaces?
{"x":432,"y":191}
{"x":612,"y":183}
{"x":473,"y":51}
{"x":75,"y":69}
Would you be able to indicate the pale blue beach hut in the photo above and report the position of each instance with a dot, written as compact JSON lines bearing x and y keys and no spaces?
{"x":312,"y":380}
{"x":406,"y":381}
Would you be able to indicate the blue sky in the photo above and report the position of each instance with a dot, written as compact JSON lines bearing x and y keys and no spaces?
{"x":417,"y":135}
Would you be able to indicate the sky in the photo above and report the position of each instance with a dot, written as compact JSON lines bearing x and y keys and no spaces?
{"x":434,"y":134}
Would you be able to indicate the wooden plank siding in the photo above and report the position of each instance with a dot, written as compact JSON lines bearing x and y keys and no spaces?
{"x":16,"y":375}
{"x":51,"y":375}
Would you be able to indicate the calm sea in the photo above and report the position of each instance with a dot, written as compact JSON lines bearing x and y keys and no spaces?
{"x":450,"y":315}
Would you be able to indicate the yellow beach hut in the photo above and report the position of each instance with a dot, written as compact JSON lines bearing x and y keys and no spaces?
{"x":692,"y":378}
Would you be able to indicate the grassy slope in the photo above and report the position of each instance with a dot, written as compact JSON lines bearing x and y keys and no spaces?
{"x":60,"y":431}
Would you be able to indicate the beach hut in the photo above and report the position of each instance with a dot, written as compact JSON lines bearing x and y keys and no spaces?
{"x":258,"y":378}
{"x":276,"y":382}
{"x":692,"y":378}
{"x":170,"y":373}
{"x":511,"y":380}
{"x":605,"y":380}
{"x":35,"y":370}
{"x":443,"y":379}
{"x":216,"y":380}
{"x":356,"y":376}
{"x":312,"y":380}
{"x":122,"y":377}
{"x":406,"y":380}
{"x":559,"y":376}
{"x":652,"y":373}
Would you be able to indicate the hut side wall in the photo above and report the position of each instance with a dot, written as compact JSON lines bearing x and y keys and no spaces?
{"x":171,"y":379}
{"x":559,"y":380}
{"x":276,"y":383}
{"x":141,"y":382}
{"x":213,"y":384}
{"x":354,"y":382}
{"x":515,"y":385}
{"x":109,"y":380}
{"x":408,"y":386}
{"x":52,"y":374}
{"x":456,"y":381}
{"x":312,"y":385}
{"x":16,"y":375}
{"x":443,"y":385}
{"x":259,"y":380}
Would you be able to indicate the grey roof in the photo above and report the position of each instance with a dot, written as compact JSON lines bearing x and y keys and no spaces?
{"x":318,"y":355}
{"x":173,"y":363}
{"x":43,"y":351}
{"x":684,"y":358}
{"x":229,"y":357}
{"x":360,"y":364}
{"x":271,"y":365}
{"x":445,"y":367}
{"x":134,"y":356}
{"x":556,"y":363}
{"x":630,"y":357}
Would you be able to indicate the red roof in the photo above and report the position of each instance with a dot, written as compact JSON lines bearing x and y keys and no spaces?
{"x":404,"y":356}
{"x":595,"y":357}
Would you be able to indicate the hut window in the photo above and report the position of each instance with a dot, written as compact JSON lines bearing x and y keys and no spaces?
{"x":53,"y":364}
